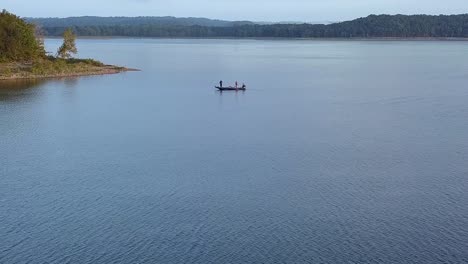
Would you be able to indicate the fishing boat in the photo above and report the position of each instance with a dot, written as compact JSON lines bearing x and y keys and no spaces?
{"x":230,"y":88}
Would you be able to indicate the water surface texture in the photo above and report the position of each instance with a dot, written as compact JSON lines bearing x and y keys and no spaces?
{"x":338,"y":152}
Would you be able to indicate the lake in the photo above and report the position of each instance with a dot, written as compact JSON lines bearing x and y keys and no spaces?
{"x":338,"y":152}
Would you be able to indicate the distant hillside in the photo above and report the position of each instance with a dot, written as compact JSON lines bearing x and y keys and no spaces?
{"x":132,"y":21}
{"x":373,"y":26}
{"x":404,"y":26}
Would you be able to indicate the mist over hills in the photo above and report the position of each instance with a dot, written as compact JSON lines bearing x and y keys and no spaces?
{"x":132,"y":21}
{"x":373,"y":26}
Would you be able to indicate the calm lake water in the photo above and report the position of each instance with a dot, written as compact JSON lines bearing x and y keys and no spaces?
{"x":338,"y":152}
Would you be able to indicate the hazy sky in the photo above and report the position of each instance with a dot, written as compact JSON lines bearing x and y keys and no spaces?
{"x":258,"y":10}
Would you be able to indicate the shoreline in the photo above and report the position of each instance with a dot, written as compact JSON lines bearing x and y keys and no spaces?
{"x":271,"y":38}
{"x":101,"y":70}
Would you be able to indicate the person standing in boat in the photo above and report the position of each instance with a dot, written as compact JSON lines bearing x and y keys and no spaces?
{"x":221,"y":83}
{"x":236,"y":84}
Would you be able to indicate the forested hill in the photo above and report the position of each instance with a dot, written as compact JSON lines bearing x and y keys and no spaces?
{"x":373,"y":26}
{"x":87,"y":21}
{"x":17,"y":40}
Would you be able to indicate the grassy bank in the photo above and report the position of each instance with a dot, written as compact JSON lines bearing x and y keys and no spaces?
{"x":54,"y":67}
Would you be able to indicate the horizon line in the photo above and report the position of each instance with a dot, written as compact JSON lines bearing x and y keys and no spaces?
{"x":247,"y":20}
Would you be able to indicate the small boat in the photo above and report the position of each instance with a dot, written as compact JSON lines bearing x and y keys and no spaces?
{"x":230,"y":88}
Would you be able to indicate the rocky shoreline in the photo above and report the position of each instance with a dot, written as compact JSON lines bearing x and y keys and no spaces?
{"x":23,"y":71}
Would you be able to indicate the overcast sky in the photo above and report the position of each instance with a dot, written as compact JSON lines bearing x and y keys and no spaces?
{"x":257,"y":10}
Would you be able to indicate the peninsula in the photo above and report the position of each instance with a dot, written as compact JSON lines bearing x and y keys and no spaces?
{"x":22,"y":54}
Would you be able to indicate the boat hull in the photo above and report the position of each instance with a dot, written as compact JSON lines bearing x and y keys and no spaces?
{"x":230,"y":88}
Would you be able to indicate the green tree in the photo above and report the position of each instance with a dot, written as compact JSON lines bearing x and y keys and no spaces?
{"x":69,"y":46}
{"x":18,"y":41}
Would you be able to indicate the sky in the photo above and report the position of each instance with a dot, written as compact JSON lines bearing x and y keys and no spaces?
{"x":254,"y":10}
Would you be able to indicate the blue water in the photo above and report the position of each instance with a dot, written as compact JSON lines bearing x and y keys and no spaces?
{"x":338,"y":152}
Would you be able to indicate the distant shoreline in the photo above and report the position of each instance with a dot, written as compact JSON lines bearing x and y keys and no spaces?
{"x":380,"y":27}
{"x":275,"y":38}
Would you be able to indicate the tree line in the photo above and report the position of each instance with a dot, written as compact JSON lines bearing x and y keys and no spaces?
{"x":373,"y":26}
{"x":21,"y":41}
{"x":18,"y":41}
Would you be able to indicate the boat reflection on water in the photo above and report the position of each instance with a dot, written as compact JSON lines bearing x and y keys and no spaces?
{"x":232,"y":91}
